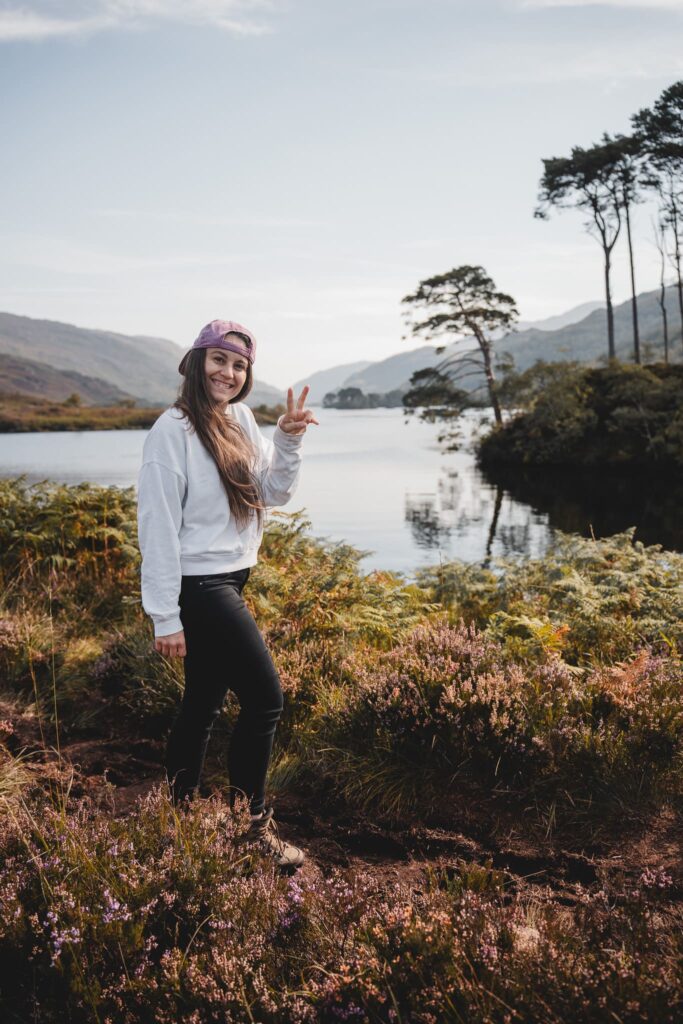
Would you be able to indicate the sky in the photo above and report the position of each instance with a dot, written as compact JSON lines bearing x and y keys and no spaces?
{"x":300,"y":165}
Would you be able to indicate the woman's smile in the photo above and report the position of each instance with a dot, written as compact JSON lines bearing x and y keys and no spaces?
{"x":225,"y":371}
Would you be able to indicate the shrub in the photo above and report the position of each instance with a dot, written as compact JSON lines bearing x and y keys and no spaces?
{"x":619,"y":415}
{"x":162,"y":917}
{"x":449,"y":704}
{"x":594,"y":601}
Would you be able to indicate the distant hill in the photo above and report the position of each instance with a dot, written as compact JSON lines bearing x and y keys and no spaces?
{"x":586,"y":341}
{"x":27,"y":377}
{"x":138,"y":366}
{"x":580,"y":333}
{"x":144,"y":366}
{"x":553,"y":323}
{"x":323,"y":381}
{"x":117,"y":366}
{"x":394,"y":373}
{"x":264,"y":394}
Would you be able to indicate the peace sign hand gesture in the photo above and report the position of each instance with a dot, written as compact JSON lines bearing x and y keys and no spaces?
{"x":296,"y":420}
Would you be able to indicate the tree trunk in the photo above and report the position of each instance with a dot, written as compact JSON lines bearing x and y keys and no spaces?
{"x":660,"y":241}
{"x":677,"y":258}
{"x":634,"y":303}
{"x":665,"y":325}
{"x":485,"y":347}
{"x":611,"y":350}
{"x":602,"y":223}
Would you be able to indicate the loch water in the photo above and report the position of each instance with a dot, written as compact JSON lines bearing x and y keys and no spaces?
{"x":384,"y":483}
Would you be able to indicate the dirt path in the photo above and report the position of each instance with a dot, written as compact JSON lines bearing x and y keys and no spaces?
{"x":544,"y":869}
{"x":115,"y":775}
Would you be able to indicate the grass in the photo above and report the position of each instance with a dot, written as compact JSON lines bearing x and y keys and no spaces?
{"x":544,"y":699}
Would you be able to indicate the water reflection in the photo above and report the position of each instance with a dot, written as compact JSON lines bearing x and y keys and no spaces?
{"x":600,"y":503}
{"x":428,"y":530}
{"x":505,"y":509}
{"x":515,"y":539}
{"x":466,"y":507}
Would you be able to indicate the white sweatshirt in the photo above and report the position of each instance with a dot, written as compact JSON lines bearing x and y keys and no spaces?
{"x":185,"y":527}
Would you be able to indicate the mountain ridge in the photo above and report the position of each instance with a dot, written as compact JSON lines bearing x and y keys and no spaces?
{"x":39,"y":380}
{"x":109,"y":360}
{"x":114,"y":359}
{"x":584,"y":339}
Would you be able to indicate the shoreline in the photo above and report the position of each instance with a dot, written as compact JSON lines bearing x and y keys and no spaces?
{"x":25,"y":415}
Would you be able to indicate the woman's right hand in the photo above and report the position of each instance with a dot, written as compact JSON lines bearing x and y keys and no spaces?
{"x":172,"y":646}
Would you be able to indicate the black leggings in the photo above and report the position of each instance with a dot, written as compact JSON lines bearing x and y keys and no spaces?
{"x":225,"y":651}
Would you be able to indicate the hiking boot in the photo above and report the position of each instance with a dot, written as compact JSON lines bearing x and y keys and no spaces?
{"x":264,"y":832}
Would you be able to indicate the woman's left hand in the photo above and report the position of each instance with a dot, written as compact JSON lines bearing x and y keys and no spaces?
{"x":297,"y":418}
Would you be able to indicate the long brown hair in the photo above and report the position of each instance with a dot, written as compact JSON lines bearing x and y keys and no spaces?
{"x":222,"y":436}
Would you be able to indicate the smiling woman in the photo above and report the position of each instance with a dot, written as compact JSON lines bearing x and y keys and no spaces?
{"x":218,"y":370}
{"x":207,"y":477}
{"x":225,"y":371}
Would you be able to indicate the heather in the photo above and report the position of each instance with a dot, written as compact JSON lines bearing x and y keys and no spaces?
{"x":447,"y":708}
{"x":164,"y":916}
{"x":542,"y":678}
{"x":464,"y":732}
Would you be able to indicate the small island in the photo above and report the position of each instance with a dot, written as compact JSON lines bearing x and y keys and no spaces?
{"x":619,"y":416}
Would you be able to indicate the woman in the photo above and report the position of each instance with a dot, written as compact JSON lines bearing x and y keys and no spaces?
{"x":207,"y":476}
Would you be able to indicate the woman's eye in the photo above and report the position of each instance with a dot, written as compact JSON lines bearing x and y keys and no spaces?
{"x":221,"y":362}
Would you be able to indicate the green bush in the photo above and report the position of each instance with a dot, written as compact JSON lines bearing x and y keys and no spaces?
{"x":615,"y":416}
{"x":592,"y":601}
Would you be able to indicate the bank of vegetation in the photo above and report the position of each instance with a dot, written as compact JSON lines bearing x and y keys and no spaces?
{"x":354,"y":398}
{"x":620,"y":416}
{"x":544,"y":699}
{"x":22,"y":413}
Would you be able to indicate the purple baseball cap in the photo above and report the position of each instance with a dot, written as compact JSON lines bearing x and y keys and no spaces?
{"x":213,"y":336}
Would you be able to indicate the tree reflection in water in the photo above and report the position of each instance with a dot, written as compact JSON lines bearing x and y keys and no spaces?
{"x":424,"y":517}
{"x":465,"y":506}
{"x":516,"y":513}
{"x":600,"y":503}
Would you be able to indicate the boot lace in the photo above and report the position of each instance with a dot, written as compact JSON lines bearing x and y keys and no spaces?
{"x":265,"y":830}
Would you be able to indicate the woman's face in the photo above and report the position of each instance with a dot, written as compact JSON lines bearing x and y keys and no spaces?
{"x":225,"y":373}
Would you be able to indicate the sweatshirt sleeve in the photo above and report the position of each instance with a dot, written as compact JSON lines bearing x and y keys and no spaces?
{"x":280,"y":463}
{"x":161,"y":492}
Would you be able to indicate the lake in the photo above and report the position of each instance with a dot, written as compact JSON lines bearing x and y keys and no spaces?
{"x":382,"y":482}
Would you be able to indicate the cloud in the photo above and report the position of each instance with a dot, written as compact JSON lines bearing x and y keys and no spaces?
{"x":44,"y":19}
{"x":532,"y":61}
{"x":662,"y":5}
